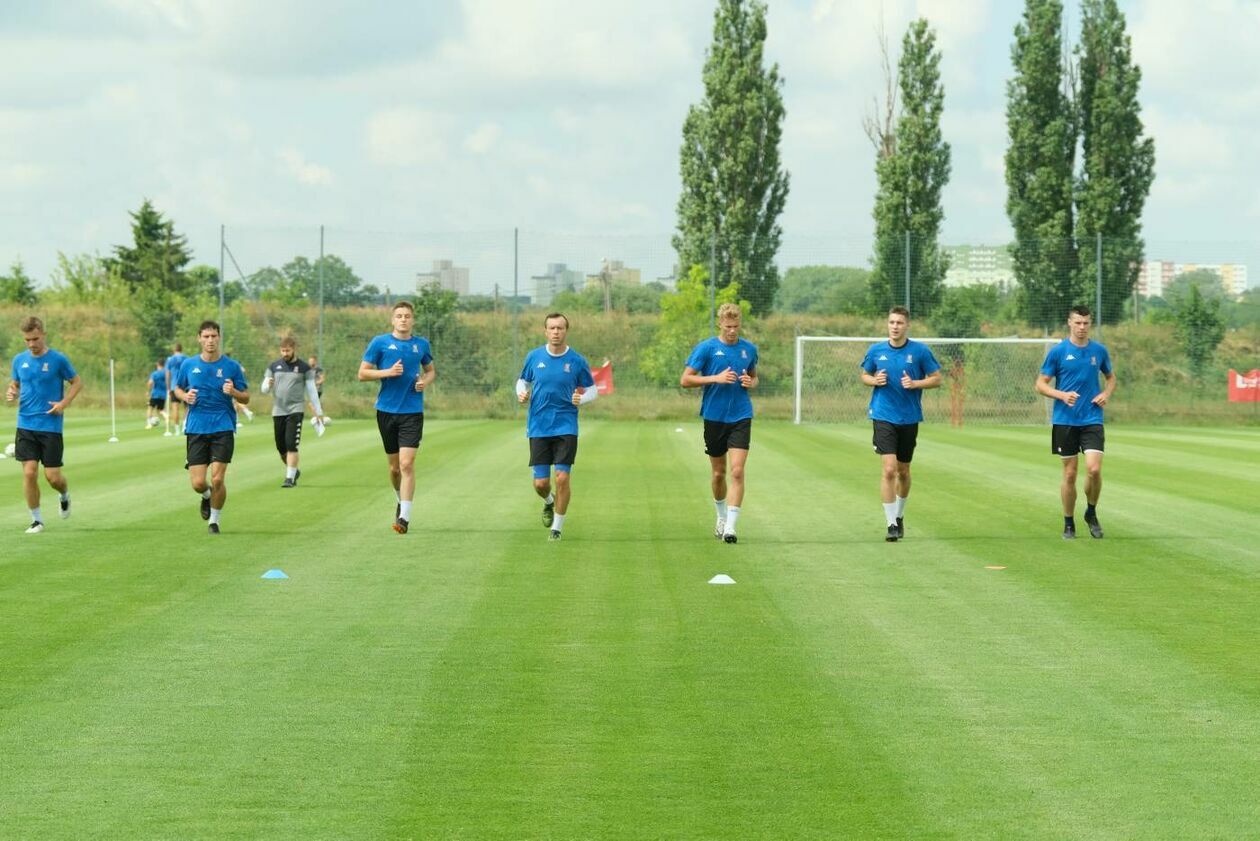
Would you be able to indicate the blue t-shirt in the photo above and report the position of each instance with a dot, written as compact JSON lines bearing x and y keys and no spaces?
{"x":1076,"y":369}
{"x":724,"y":402}
{"x":553,"y":379}
{"x":43,"y":382}
{"x":173,"y":363}
{"x":398,"y":395}
{"x":157,"y":384}
{"x":213,"y":411}
{"x":891,"y":402}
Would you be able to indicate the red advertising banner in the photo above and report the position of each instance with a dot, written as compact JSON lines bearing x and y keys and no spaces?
{"x":604,"y":378}
{"x":1244,"y":388}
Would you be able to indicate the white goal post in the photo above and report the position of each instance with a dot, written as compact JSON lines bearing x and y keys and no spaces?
{"x":986,"y":380}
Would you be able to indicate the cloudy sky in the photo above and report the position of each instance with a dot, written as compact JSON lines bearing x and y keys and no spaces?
{"x":417,"y":130}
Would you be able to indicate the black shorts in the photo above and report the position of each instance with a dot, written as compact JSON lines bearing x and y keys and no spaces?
{"x":288,"y":432}
{"x":45,"y":447}
{"x":210,"y":447}
{"x":157,"y":402}
{"x":892,"y":438}
{"x":720,"y":437}
{"x":399,"y":431}
{"x":1068,"y":441}
{"x":554,"y":449}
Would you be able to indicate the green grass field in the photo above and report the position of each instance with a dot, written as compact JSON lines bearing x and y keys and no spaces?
{"x":473,"y":680}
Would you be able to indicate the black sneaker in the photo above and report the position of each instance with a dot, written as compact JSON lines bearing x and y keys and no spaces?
{"x":205,"y":508}
{"x":549,"y":514}
{"x":555,"y":535}
{"x":1095,"y":528}
{"x":1069,"y":532}
{"x":288,"y":483}
{"x":296,"y":476}
{"x":730,"y":537}
{"x":400,"y":525}
{"x":901,"y":529}
{"x":214,"y":528}
{"x":65,"y":510}
{"x":398,"y":511}
{"x":894,"y":534}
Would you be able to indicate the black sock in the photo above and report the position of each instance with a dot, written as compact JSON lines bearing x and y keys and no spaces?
{"x":1069,"y":522}
{"x":1089,"y":511}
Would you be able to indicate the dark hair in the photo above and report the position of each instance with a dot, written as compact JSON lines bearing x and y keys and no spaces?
{"x":899,"y":310}
{"x":161,"y":361}
{"x":552,"y":315}
{"x":31,"y":324}
{"x":404,"y":305}
{"x":179,"y":348}
{"x":1080,"y":309}
{"x":288,"y":341}
{"x":209,"y":325}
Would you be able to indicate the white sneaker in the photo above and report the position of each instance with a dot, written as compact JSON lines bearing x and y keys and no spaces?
{"x":65,"y":509}
{"x":35,"y":528}
{"x":167,"y":434}
{"x":719,"y":529}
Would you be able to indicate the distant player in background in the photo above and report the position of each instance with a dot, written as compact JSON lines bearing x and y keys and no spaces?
{"x":555,"y":380}
{"x":725,"y":366}
{"x":897,"y":371}
{"x":1074,"y":365}
{"x":173,"y":362}
{"x":319,"y":391}
{"x":291,"y":383}
{"x":242,"y":409}
{"x":211,"y":384}
{"x":403,"y":364}
{"x":38,"y":383}
{"x":157,"y":395}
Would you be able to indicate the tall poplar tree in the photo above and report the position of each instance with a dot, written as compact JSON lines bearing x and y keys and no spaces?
{"x":911,"y":169}
{"x":1118,"y":162}
{"x":733,"y":186}
{"x":152,"y":268}
{"x":1041,"y":126}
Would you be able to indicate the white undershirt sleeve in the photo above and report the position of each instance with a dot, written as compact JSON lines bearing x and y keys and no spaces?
{"x":589,"y":395}
{"x":522,"y":388}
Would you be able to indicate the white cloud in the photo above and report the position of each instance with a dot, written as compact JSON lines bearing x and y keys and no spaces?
{"x":302,"y":170}
{"x":483,"y":138}
{"x":406,"y":136}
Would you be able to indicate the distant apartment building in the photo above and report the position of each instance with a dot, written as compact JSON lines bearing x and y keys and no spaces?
{"x":446,"y":275}
{"x":558,"y":278}
{"x":616,"y":272}
{"x":975,"y":264}
{"x":1154,"y":276}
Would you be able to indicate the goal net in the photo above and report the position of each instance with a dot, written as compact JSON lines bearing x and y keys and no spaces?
{"x":985,"y":380}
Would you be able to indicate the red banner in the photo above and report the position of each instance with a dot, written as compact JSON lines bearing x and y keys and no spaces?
{"x":1244,"y":388}
{"x":604,"y":379}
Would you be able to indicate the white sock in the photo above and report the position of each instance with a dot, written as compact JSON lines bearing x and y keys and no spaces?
{"x":405,"y":509}
{"x":290,"y":473}
{"x":35,"y":516}
{"x":901,"y":506}
{"x":720,"y":505}
{"x":205,"y":494}
{"x":890,"y":513}
{"x":558,"y":523}
{"x":732,"y":514}
{"x":551,"y":499}
{"x":65,"y":497}
{"x":214,"y":516}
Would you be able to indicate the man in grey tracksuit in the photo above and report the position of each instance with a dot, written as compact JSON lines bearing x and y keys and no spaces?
{"x":291,"y":382}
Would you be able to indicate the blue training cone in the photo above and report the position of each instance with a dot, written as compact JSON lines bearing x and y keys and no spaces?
{"x":274,"y":573}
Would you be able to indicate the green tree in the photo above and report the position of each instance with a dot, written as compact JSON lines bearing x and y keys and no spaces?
{"x":686,"y":318}
{"x":1118,"y":163}
{"x":733,"y":187}
{"x":1200,"y":329}
{"x":1041,"y":127}
{"x":1207,"y":282}
{"x":341,"y":285}
{"x":623,"y":297}
{"x":911,"y":168}
{"x":453,"y":346}
{"x":825,"y":290}
{"x":17,"y":287}
{"x":152,"y":271}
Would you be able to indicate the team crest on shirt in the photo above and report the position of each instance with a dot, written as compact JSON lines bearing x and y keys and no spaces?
{"x":219,"y":373}
{"x":45,"y":368}
{"x":1093,"y":360}
{"x":744,"y":354}
{"x":909,"y":357}
{"x":415,"y":348}
{"x":566,"y":368}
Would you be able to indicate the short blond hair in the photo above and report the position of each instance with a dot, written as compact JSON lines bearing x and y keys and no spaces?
{"x":31,"y":325}
{"x":729,"y":311}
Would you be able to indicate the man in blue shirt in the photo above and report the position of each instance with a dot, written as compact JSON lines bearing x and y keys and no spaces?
{"x":1074,"y":365}
{"x":404,"y":366}
{"x":725,"y":366}
{"x":173,"y":363}
{"x":157,"y":395}
{"x":897,"y":371}
{"x":555,"y":380}
{"x":38,"y":384}
{"x":209,"y":383}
